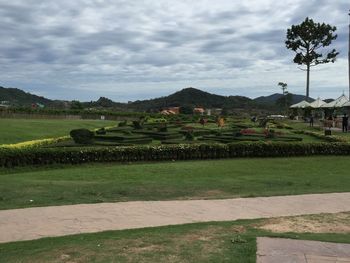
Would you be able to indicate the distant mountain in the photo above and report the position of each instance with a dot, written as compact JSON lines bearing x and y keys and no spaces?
{"x":274,"y":97}
{"x":187,"y":97}
{"x":195,"y":98}
{"x":18,"y":97}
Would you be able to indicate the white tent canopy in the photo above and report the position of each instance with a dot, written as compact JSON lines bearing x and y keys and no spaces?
{"x":338,"y":103}
{"x":317,"y":103}
{"x":301,"y":105}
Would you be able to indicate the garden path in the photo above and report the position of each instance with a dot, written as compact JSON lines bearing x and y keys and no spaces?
{"x":39,"y":222}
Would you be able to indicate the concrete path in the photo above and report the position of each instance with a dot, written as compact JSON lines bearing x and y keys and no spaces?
{"x":34,"y":223}
{"x":277,"y":250}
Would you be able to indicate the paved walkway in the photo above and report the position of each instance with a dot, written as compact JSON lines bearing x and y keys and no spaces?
{"x":34,"y":223}
{"x":277,"y":250}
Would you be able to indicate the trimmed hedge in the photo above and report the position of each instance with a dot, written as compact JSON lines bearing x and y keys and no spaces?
{"x":82,"y":136}
{"x":46,"y":156}
{"x":160,"y":135}
{"x":225,"y":138}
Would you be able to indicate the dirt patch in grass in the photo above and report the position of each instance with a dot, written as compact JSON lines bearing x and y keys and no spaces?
{"x":322,"y":223}
{"x":209,"y":239}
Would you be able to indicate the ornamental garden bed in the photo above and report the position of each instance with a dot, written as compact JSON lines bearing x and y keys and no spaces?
{"x":137,"y":133}
{"x":132,"y":142}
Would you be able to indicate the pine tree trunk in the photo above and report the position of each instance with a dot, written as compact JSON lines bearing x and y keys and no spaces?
{"x":307,"y":82}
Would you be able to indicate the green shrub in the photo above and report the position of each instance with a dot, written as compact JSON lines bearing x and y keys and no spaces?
{"x":162,"y":128}
{"x":101,"y":131}
{"x":122,"y":123}
{"x":137,"y":125}
{"x":189,"y":136}
{"x":120,"y":138}
{"x":270,"y":134}
{"x":44,"y":156}
{"x":155,"y":120}
{"x":82,"y":136}
{"x":159,"y":135}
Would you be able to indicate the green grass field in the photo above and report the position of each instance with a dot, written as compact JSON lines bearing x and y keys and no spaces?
{"x":20,"y":130}
{"x":172,"y":180}
{"x":205,"y":242}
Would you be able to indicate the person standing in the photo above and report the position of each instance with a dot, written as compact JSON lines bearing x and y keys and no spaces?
{"x":311,"y":121}
{"x":345,"y":123}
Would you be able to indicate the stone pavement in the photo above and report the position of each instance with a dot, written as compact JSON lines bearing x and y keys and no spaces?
{"x":280,"y":250}
{"x":34,"y":223}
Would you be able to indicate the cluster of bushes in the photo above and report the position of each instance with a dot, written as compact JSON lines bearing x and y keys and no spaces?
{"x":100,"y":137}
{"x":160,"y":135}
{"x":45,"y":156}
{"x":82,"y":136}
{"x":125,"y":139}
{"x":278,"y":125}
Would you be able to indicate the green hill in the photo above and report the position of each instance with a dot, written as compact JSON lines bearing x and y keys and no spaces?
{"x":190,"y":97}
{"x":18,"y":97}
{"x":272,"y":99}
{"x":194,"y":98}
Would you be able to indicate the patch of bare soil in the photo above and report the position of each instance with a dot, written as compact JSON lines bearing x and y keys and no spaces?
{"x":207,"y":239}
{"x":322,"y":223}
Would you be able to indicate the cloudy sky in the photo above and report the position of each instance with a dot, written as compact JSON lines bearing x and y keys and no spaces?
{"x":129,"y":50}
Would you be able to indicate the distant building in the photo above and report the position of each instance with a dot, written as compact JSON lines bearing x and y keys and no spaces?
{"x":216,"y":111}
{"x":167,"y":112}
{"x":170,"y":111}
{"x":4,"y":104}
{"x":37,"y":105}
{"x":176,"y":110}
{"x":198,"y":111}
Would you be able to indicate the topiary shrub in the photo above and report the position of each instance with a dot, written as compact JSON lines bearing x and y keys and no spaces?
{"x":162,"y":128}
{"x":137,"y":125}
{"x":122,"y":123}
{"x":269,"y":134}
{"x":82,"y":136}
{"x":101,"y":131}
{"x":189,"y":136}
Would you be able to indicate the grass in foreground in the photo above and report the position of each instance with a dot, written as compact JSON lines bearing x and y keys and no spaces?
{"x":205,"y":242}
{"x":20,"y":130}
{"x":26,"y":187}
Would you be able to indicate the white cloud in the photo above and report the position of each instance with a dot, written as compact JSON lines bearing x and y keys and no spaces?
{"x":157,"y":47}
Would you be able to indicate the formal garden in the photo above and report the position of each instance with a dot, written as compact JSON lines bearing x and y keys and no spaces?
{"x":156,"y":131}
{"x":157,"y":139}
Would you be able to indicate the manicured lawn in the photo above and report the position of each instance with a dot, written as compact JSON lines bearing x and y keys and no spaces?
{"x":172,"y":180}
{"x":20,"y":130}
{"x":205,"y":242}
